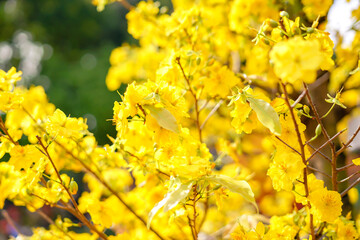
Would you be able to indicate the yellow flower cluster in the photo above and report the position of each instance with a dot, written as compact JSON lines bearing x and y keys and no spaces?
{"x":211,"y":137}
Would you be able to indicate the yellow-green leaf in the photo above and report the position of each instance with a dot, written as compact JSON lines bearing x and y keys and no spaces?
{"x":164,"y":118}
{"x":238,"y":186}
{"x":170,"y":200}
{"x":266,"y":114}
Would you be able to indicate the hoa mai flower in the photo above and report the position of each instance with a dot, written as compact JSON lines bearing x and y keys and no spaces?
{"x":296,"y":59}
{"x":325,"y":204}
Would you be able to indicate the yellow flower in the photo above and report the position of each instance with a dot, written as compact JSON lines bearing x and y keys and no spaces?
{"x":326,"y":48}
{"x":325,"y":204}
{"x":133,"y":96}
{"x":244,"y":118}
{"x":7,"y":79}
{"x":246,"y":13}
{"x":9,"y":181}
{"x":100,"y":4}
{"x":10,"y":100}
{"x":120,"y":118}
{"x":314,"y":8}
{"x":220,"y":81}
{"x":345,"y":230}
{"x":313,"y":183}
{"x":286,"y":167}
{"x":282,"y":227}
{"x":24,"y":156}
{"x":60,"y":125}
{"x":296,"y":59}
{"x":353,"y":195}
{"x":278,"y":203}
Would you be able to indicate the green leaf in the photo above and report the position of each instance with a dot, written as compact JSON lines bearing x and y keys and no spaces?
{"x":238,"y":186}
{"x":164,"y":118}
{"x":170,"y":200}
{"x":266,"y":114}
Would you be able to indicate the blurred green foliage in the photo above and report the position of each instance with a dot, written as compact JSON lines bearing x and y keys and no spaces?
{"x":81,"y":40}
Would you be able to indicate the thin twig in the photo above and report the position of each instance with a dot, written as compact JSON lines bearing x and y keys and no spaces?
{"x":348,"y":142}
{"x":348,"y":177}
{"x":10,"y":221}
{"x":317,"y":170}
{"x":326,"y":157}
{"x":327,"y":137}
{"x":190,"y":224}
{"x":345,"y":167}
{"x":206,"y":208}
{"x":3,"y":128}
{"x":194,"y":212}
{"x":204,"y":105}
{"x":89,"y":170}
{"x":65,"y":207}
{"x":194,"y":96}
{"x":106,"y":185}
{"x":50,"y":221}
{"x":288,"y":145}
{"x":326,"y":143}
{"x":350,"y":187}
{"x":301,"y":96}
{"x":211,"y":113}
{"x":302,"y":151}
{"x":80,"y":215}
{"x":197,"y":112}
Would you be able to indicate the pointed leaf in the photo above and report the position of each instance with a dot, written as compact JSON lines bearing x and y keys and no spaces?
{"x":266,"y":114}
{"x":178,"y":195}
{"x":155,"y":209}
{"x":170,"y":200}
{"x":164,"y":118}
{"x":237,"y":186}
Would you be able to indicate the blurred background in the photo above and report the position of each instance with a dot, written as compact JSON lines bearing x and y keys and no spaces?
{"x":65,"y":47}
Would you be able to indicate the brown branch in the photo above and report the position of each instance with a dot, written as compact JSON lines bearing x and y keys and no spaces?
{"x":347,"y":178}
{"x":323,"y":155}
{"x":302,"y":151}
{"x":194,"y":212}
{"x":89,"y":170}
{"x":65,"y":207}
{"x":324,"y":145}
{"x":301,"y":96}
{"x":327,"y":137}
{"x":50,"y":221}
{"x":345,"y":167}
{"x":319,"y":171}
{"x":204,"y":105}
{"x":213,"y":111}
{"x":79,"y":214}
{"x":206,"y":208}
{"x":10,"y":221}
{"x":194,"y":96}
{"x":288,"y":145}
{"x":350,"y":187}
{"x":348,"y":142}
{"x":3,"y":128}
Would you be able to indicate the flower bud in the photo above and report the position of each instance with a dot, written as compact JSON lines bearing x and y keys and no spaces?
{"x":73,"y":187}
{"x":284,"y":14}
